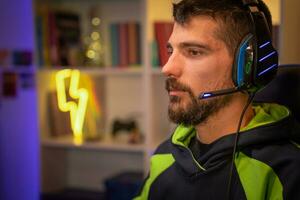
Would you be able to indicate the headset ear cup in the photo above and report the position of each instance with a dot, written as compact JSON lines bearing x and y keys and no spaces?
{"x":243,"y":63}
{"x":266,"y":55}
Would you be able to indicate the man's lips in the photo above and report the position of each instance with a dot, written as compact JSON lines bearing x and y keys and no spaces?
{"x":176,"y":92}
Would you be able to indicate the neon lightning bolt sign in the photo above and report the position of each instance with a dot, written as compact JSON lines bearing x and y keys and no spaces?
{"x":77,"y":110}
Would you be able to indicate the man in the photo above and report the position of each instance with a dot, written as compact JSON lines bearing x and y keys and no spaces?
{"x":195,"y":163}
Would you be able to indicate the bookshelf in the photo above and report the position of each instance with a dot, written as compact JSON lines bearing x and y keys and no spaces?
{"x":124,"y":90}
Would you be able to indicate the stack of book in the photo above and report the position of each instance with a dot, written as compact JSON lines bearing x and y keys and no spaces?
{"x":125,"y":44}
{"x":59,"y":38}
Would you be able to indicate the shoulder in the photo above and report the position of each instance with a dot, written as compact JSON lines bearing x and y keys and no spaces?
{"x":164,"y":148}
{"x":160,"y":161}
{"x":276,"y":155}
{"x":275,"y":165}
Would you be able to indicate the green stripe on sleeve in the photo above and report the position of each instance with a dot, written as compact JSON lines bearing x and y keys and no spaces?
{"x":258,"y":179}
{"x":159,"y":163}
{"x":296,"y":144}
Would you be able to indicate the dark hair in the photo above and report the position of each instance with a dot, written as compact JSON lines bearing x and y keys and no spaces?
{"x":233,"y":19}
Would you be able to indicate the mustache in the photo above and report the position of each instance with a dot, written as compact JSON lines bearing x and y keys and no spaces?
{"x":173,"y":84}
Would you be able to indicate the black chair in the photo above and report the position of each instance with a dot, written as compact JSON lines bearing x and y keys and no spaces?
{"x":284,"y":90}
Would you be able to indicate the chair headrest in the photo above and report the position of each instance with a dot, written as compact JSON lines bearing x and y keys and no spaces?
{"x":284,"y":89}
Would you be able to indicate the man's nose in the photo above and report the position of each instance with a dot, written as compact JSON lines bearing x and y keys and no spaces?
{"x":173,"y":66}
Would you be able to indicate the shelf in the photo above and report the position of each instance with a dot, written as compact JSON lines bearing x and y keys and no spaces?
{"x":118,"y":71}
{"x":107,"y":144}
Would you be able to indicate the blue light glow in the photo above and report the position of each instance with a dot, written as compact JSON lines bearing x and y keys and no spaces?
{"x":265,"y":44}
{"x":275,"y":65}
{"x":267,"y":56}
{"x":207,"y":95}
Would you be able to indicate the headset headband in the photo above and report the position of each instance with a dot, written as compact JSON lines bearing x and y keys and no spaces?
{"x":250,"y":2}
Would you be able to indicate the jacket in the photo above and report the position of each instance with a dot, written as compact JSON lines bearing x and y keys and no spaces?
{"x":266,"y":165}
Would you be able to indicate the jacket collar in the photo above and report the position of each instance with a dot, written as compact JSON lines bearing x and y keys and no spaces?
{"x":264,"y":114}
{"x":272,"y":123}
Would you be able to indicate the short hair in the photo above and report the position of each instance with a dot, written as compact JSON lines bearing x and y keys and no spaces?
{"x":233,"y":19}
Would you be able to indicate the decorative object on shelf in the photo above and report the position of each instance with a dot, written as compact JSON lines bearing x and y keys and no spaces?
{"x":10,"y":58}
{"x":22,"y":58}
{"x":9,"y":84}
{"x":126,"y":131}
{"x":5,"y":59}
{"x":27,"y":80}
{"x":76,"y":107}
{"x":94,"y":51}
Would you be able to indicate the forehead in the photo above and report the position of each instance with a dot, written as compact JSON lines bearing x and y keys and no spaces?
{"x":201,"y":28}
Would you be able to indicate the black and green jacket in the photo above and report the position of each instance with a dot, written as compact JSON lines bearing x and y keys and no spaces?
{"x":267,"y":164}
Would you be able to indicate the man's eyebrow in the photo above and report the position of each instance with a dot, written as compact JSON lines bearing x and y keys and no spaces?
{"x":194,"y":44}
{"x":190,"y":44}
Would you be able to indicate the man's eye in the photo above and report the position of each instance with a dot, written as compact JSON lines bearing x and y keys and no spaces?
{"x":194,"y":52}
{"x":169,"y":50}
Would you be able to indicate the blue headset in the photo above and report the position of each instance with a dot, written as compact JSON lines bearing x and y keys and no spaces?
{"x":256,"y":60}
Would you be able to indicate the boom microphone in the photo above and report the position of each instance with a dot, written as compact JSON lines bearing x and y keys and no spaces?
{"x":205,"y":95}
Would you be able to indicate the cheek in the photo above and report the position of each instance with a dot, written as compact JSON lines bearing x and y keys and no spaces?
{"x":209,"y":74}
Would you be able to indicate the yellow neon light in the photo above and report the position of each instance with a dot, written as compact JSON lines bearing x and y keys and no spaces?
{"x":77,"y":110}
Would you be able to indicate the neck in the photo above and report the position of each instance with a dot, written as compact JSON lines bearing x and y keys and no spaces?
{"x":225,"y":121}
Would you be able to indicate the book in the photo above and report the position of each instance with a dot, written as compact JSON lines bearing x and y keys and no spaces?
{"x":58,"y":38}
{"x":123,"y":49}
{"x":162,"y":31}
{"x":59,"y":122}
{"x":39,"y":39}
{"x":67,"y":26}
{"x":134,"y":43}
{"x":114,"y":39}
{"x":42,"y":36}
{"x":154,"y":54}
{"x":52,"y":39}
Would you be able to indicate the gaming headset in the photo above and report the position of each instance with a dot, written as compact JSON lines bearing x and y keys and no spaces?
{"x":256,"y":60}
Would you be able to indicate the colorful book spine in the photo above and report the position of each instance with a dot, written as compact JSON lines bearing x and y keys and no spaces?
{"x":134,"y":51}
{"x":163,"y":31}
{"x":114,"y":41}
{"x":138,"y":44}
{"x":52,"y":39}
{"x":39,"y":39}
{"x":123,"y":36}
{"x":132,"y":43}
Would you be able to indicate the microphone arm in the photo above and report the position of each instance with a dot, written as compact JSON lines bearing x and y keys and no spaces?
{"x":205,"y":95}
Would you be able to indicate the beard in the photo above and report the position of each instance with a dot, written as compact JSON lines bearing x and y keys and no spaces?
{"x":195,"y":111}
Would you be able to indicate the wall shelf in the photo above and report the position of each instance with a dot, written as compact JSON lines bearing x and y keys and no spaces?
{"x":98,"y":71}
{"x":106,"y":145}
